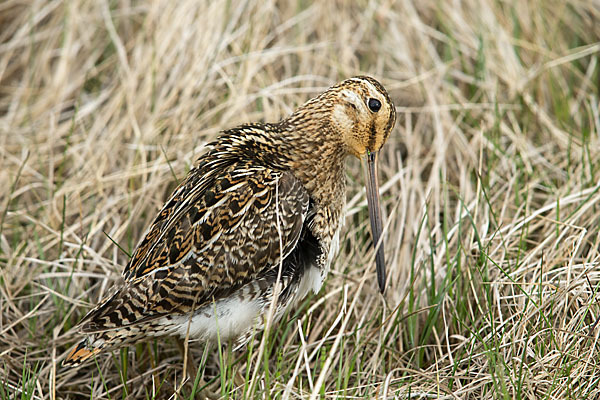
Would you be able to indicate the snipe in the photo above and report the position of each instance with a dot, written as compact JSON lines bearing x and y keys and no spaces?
{"x":264,"y":203}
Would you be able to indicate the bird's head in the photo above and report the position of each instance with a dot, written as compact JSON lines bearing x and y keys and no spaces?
{"x":363,"y":115}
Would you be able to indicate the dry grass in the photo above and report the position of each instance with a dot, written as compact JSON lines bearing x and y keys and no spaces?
{"x":490,"y":186}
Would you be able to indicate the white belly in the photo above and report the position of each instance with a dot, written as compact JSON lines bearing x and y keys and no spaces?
{"x":311,"y":279}
{"x":238,"y":315}
{"x":225,"y":319}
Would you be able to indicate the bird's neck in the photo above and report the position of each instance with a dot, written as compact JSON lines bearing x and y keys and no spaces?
{"x":305,"y":144}
{"x":318,"y":159}
{"x":315,"y":154}
{"x":322,"y":172}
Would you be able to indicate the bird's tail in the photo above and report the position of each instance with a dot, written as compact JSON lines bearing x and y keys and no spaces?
{"x":81,"y":353}
{"x":111,"y":324}
{"x":118,"y":321}
{"x":96,"y":342}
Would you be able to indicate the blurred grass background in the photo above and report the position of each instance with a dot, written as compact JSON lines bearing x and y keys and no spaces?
{"x":490,"y":183}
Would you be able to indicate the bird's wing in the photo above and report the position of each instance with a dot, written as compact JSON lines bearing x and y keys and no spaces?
{"x":218,"y":231}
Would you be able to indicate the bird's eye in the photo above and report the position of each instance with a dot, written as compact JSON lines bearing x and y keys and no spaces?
{"x":374,"y":105}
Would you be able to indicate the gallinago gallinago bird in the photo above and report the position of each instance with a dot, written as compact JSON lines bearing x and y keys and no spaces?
{"x":264,"y":203}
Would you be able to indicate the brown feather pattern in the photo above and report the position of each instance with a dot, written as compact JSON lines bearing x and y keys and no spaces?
{"x":264,"y":200}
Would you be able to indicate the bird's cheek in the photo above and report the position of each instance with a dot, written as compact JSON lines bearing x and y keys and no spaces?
{"x":355,"y":145}
{"x":342,"y":120}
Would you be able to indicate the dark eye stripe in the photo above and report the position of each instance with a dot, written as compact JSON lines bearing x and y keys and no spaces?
{"x":374,"y":104}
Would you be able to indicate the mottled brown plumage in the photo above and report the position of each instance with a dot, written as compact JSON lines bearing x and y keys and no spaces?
{"x":266,"y":201}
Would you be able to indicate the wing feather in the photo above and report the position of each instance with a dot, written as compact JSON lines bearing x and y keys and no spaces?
{"x":217,"y":232}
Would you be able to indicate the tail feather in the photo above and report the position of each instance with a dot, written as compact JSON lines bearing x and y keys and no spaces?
{"x":80,"y":354}
{"x":97,"y":342}
{"x":111,"y":324}
{"x":119,"y":320}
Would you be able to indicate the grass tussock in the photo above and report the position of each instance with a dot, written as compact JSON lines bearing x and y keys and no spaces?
{"x":490,"y":186}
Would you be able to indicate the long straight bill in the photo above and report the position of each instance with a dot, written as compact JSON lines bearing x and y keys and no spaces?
{"x":375,"y":216}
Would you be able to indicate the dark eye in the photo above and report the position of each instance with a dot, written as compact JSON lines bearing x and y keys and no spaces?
{"x":374,"y":105}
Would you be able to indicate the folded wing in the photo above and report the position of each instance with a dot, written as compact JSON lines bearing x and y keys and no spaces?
{"x":219,"y":231}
